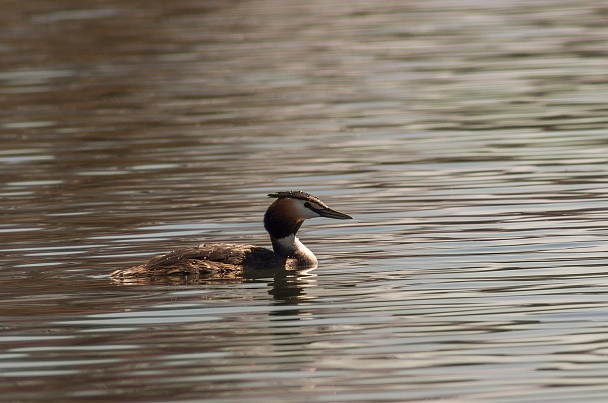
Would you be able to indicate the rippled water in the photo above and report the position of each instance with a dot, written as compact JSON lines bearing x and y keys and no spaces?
{"x":467,"y":138}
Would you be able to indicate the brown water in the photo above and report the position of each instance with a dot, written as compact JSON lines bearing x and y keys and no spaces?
{"x":467,"y":138}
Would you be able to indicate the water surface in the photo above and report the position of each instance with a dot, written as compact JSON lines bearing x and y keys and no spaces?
{"x":468,"y":139}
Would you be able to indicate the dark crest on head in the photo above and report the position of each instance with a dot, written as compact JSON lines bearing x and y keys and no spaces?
{"x":298,"y":195}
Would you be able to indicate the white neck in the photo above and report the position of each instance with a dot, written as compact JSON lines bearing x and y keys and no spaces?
{"x":290,"y":246}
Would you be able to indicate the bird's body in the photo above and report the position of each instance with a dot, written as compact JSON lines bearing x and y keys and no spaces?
{"x":209,"y":260}
{"x":282,"y":221}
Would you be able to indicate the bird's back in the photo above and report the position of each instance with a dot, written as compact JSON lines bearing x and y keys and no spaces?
{"x":209,"y":260}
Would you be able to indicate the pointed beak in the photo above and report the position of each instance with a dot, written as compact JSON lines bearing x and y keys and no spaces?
{"x":329,"y":213}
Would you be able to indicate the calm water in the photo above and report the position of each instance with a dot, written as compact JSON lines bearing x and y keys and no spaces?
{"x":468,"y":139}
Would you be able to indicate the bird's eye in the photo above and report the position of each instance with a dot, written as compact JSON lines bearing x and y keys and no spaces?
{"x":307,"y":205}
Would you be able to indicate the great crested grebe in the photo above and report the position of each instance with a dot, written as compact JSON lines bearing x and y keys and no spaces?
{"x":282,"y":221}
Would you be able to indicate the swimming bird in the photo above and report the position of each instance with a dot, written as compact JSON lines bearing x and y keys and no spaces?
{"x":282,"y":221}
